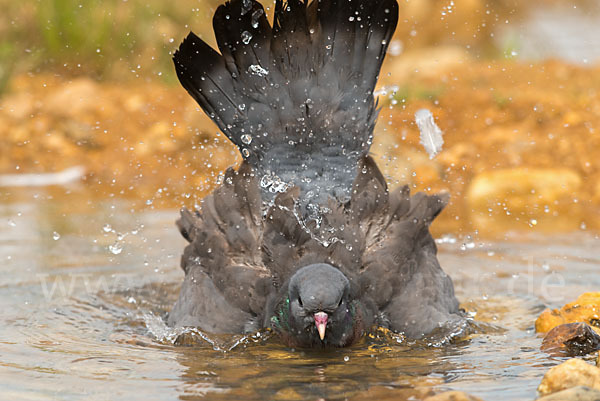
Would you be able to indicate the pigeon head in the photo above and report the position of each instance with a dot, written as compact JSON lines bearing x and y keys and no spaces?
{"x":320,"y":311}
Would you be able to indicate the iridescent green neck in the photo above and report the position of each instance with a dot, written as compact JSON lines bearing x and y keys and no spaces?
{"x":280,"y":320}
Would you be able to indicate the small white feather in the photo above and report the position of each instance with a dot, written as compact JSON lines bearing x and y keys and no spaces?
{"x":431,"y":134}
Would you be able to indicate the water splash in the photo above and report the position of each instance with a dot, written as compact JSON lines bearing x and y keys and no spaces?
{"x":194,"y":336}
{"x":274,"y":184}
{"x":246,"y":139}
{"x":256,"y":17}
{"x":246,"y":37}
{"x":246,"y":6}
{"x":256,"y":69}
{"x":116,"y":248}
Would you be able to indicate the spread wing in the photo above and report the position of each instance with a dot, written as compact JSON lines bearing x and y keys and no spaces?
{"x":400,"y":271}
{"x":226,"y":282}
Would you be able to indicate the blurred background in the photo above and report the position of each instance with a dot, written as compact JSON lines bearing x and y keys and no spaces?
{"x":513,"y":85}
{"x":100,"y":147}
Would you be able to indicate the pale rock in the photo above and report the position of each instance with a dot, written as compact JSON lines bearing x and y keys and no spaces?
{"x":571,"y":373}
{"x":579,"y":393}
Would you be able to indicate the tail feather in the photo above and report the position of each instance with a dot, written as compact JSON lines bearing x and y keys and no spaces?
{"x":209,"y":83}
{"x":297,"y":99}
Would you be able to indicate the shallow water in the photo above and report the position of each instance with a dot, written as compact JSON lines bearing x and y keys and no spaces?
{"x":85,"y":284}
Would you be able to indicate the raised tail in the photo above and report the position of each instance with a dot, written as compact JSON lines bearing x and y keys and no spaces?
{"x":296,"y":98}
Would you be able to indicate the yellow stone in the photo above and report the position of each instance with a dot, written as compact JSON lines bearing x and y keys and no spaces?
{"x":571,"y":373}
{"x":585,"y":309}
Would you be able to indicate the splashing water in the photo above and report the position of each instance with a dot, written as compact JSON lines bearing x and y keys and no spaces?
{"x":246,"y":37}
{"x":255,"y":17}
{"x":192,"y":335}
{"x":246,"y":6}
{"x":274,"y":184}
{"x":116,"y":248}
{"x":256,"y":69}
{"x":246,"y":139}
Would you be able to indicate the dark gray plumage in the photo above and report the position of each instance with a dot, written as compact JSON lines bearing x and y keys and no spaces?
{"x":335,"y":252}
{"x":297,"y":99}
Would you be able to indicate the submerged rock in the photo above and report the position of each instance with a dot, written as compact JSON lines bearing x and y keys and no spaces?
{"x":571,"y":339}
{"x":571,"y":373}
{"x":384,"y":393}
{"x":579,"y":393}
{"x":453,"y":396}
{"x":585,"y":309}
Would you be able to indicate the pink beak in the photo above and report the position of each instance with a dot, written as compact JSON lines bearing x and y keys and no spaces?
{"x":321,"y":323}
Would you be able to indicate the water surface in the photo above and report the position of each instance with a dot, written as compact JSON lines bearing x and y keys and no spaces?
{"x":86,"y":283}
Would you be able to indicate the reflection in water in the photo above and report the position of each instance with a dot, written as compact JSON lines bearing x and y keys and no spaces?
{"x":81,"y":321}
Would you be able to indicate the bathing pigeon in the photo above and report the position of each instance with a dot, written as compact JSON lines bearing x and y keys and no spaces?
{"x":305,"y":238}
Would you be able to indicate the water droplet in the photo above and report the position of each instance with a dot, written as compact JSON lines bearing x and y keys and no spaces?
{"x":467,"y":245}
{"x":446,"y":239}
{"x":246,"y":139}
{"x":131,"y":300}
{"x":256,"y":69}
{"x":246,"y":37}
{"x":246,"y":153}
{"x":55,"y":236}
{"x":107,"y":228}
{"x":246,"y":6}
{"x":346,"y":358}
{"x":545,"y":266}
{"x":116,"y":248}
{"x":256,"y":17}
{"x":273,"y":184}
{"x":12,"y":223}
